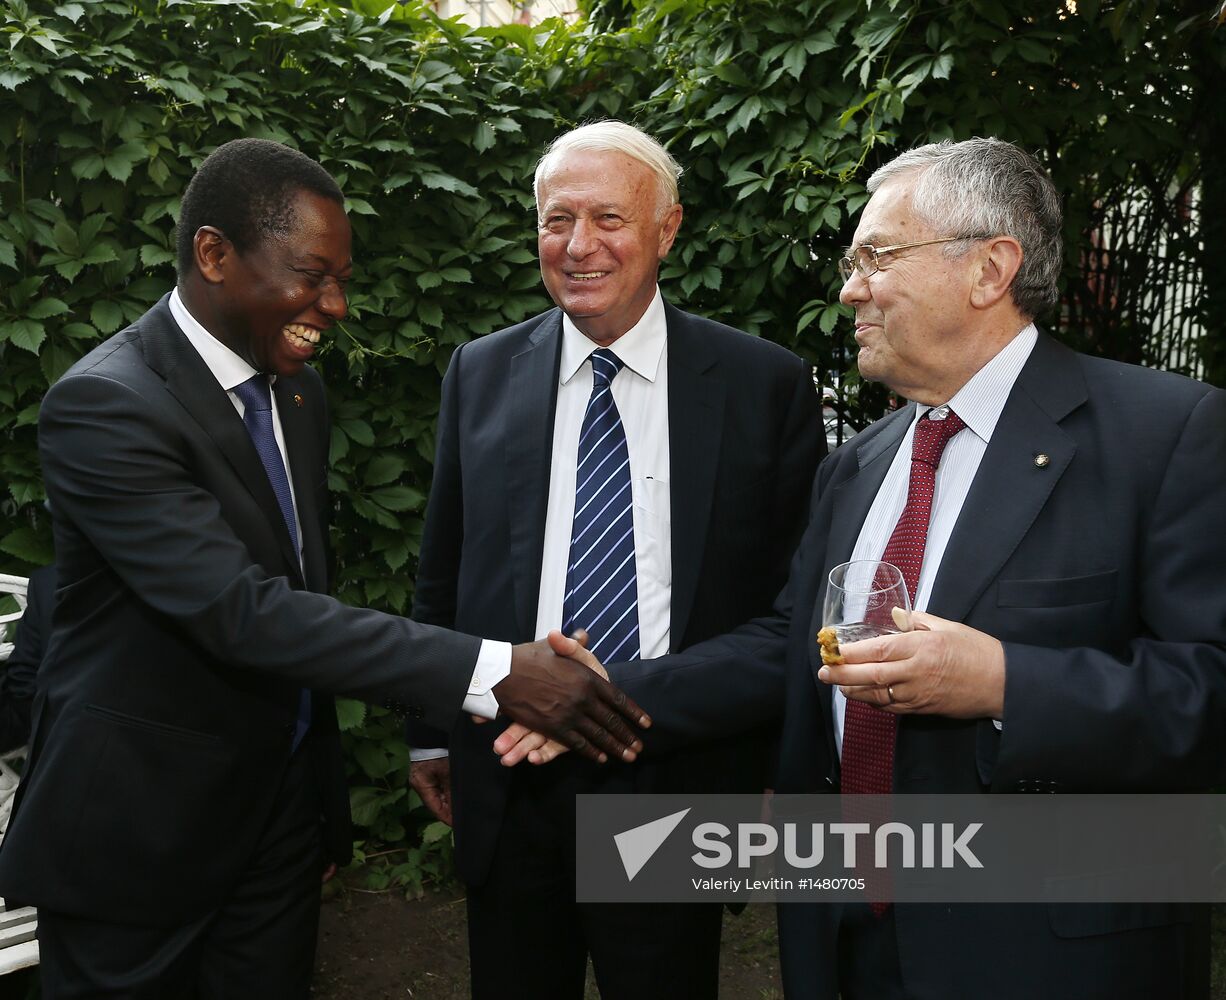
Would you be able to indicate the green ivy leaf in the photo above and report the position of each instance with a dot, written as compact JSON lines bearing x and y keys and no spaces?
{"x":398,"y":498}
{"x":23,"y":333}
{"x":26,"y":544}
{"x":106,"y":316}
{"x":435,"y":832}
{"x":358,"y":431}
{"x":350,"y":713}
{"x":383,"y":469}
{"x":46,"y":308}
{"x":119,"y":162}
{"x":11,"y":79}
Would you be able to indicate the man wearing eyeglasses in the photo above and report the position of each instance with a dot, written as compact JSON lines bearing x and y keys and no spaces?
{"x":1058,"y":521}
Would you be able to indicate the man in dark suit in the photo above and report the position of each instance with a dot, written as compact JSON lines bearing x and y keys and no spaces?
{"x":1068,"y":577}
{"x":678,"y":533}
{"x":184,"y":787}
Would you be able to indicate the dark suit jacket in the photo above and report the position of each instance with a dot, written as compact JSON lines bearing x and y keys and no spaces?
{"x":17,"y":683}
{"x":184,"y":630}
{"x":745,"y":434}
{"x":1102,"y":575}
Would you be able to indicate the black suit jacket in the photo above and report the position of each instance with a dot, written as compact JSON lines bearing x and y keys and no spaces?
{"x":745,"y":434}
{"x":1101,"y":572}
{"x":184,"y":630}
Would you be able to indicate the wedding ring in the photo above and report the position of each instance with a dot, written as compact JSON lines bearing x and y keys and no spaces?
{"x":890,"y":693}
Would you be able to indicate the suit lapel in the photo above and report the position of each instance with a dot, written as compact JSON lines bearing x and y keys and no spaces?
{"x":190,"y":381}
{"x":292,"y":409}
{"x":1009,"y":489}
{"x":529,"y":447}
{"x":696,"y":391}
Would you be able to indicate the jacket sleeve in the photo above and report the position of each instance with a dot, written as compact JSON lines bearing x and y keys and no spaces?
{"x":434,"y":600}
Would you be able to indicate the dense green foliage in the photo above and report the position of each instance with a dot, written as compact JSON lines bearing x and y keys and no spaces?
{"x":777,"y":110}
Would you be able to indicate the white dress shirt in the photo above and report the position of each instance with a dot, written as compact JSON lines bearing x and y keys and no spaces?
{"x":979,"y":403}
{"x":640,"y":391}
{"x":494,"y":658}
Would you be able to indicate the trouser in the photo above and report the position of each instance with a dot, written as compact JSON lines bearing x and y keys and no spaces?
{"x":530,"y":940}
{"x":259,"y":943}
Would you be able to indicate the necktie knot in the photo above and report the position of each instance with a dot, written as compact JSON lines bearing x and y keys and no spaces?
{"x":605,"y":365}
{"x":932,"y":434}
{"x":255,"y":393}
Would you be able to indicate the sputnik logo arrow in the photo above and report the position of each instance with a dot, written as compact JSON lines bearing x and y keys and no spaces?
{"x":637,"y":845}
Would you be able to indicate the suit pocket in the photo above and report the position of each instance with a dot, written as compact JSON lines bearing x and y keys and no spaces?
{"x":150,"y":725}
{"x":1062,"y":592}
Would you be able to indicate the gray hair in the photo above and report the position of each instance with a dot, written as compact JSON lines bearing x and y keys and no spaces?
{"x":615,"y":137}
{"x":989,"y":187}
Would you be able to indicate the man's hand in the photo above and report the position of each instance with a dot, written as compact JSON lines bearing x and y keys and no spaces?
{"x":941,"y":668}
{"x":518,"y":742}
{"x":564,"y":697}
{"x":431,"y":779}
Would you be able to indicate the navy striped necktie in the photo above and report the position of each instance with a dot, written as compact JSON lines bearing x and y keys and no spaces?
{"x":601,"y":580}
{"x":257,"y":415}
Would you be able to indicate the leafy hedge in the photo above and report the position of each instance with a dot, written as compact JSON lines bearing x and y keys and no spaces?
{"x":777,"y":109}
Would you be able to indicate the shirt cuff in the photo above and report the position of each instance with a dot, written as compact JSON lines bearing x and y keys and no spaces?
{"x":493,"y":666}
{"x":428,"y":753}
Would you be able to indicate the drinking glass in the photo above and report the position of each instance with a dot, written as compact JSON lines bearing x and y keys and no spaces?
{"x":866,"y":598}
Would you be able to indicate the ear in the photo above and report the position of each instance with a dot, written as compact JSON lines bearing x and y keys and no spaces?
{"x":998,"y":265}
{"x":210,"y":248}
{"x":668,"y":230}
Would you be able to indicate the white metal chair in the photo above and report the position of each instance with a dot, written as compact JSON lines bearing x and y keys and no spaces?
{"x":18,"y":586}
{"x":18,"y":946}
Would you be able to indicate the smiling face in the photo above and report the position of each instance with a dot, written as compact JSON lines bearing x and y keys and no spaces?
{"x":914,"y":323}
{"x":601,"y":239}
{"x":272,"y":303}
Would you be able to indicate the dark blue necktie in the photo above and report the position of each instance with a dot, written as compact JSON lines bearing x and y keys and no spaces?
{"x":257,"y":415}
{"x":601,"y":582}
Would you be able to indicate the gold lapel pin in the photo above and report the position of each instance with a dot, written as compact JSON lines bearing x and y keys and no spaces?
{"x":298,"y":402}
{"x":1040,"y":460}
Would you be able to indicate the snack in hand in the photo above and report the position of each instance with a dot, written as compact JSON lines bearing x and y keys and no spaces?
{"x":829,"y":643}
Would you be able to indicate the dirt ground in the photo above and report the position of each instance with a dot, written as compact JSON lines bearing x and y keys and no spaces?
{"x":379,"y":946}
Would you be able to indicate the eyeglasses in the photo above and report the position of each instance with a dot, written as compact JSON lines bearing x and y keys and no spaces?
{"x":864,"y":259}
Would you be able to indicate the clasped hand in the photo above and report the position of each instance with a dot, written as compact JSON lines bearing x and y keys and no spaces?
{"x":549,"y":692}
{"x":520,"y":742}
{"x":940,"y":668}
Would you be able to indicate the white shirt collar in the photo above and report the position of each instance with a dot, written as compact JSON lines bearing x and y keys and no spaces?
{"x":981,"y":401}
{"x":639,"y":348}
{"x":227,"y":367}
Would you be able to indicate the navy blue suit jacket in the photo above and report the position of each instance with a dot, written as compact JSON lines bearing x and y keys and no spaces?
{"x":1101,"y":573}
{"x":745,"y":435}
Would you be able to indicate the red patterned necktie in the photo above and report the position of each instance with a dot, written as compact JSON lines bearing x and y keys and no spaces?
{"x":869,"y":734}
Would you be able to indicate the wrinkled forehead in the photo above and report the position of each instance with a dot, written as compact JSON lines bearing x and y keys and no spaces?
{"x":608,"y":177}
{"x":890,"y":216}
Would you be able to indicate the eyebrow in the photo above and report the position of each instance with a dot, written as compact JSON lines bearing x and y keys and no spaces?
{"x":317,"y":258}
{"x":551,"y":207}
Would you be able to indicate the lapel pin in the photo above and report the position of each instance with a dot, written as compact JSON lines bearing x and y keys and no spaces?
{"x":1040,"y":460}
{"x":298,"y":402}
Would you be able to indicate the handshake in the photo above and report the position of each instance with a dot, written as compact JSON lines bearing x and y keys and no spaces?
{"x":560,"y":698}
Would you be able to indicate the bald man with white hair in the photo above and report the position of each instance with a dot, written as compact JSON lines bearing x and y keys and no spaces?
{"x":620,"y":466}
